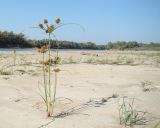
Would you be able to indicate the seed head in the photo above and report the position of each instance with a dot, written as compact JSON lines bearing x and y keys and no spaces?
{"x":50,"y":28}
{"x":45,"y":21}
{"x":48,"y":62}
{"x":56,"y":70}
{"x":43,"y":49}
{"x":58,"y":20}
{"x":46,"y":69}
{"x":56,"y":60}
{"x":47,"y":31}
{"x":41,"y":26}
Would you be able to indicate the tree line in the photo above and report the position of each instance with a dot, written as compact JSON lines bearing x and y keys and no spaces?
{"x":12,"y":40}
{"x":132,"y":45}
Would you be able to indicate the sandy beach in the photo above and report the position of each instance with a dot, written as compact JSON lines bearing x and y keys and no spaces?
{"x":91,"y":85}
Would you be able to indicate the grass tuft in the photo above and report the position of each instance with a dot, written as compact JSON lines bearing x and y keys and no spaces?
{"x":5,"y":72}
{"x":89,"y":60}
{"x":157,"y":125}
{"x":129,"y":115}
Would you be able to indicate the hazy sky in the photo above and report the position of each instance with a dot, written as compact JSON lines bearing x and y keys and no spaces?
{"x":103,"y":20}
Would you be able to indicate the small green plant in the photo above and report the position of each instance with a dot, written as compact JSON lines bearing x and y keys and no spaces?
{"x":90,"y":60}
{"x":157,"y":60}
{"x":5,"y":72}
{"x":119,"y":59}
{"x":71,"y":60}
{"x":101,"y":61}
{"x":129,"y":60}
{"x":129,"y":116}
{"x":147,"y":86}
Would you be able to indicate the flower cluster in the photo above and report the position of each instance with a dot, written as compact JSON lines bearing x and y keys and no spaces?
{"x":49,"y":28}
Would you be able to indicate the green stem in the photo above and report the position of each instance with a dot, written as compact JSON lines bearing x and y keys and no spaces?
{"x":49,"y":77}
{"x":55,"y":90}
{"x":45,"y":85}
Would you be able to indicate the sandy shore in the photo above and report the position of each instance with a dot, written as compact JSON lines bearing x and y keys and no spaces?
{"x":86,"y":77}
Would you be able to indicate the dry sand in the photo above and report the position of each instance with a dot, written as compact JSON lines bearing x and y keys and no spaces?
{"x":79,"y":82}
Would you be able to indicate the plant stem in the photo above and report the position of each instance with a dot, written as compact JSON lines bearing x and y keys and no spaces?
{"x":49,"y":76}
{"x":55,"y":79}
{"x":45,"y":85}
{"x":55,"y":90}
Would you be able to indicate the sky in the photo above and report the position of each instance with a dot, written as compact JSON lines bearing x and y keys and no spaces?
{"x":103,"y":20}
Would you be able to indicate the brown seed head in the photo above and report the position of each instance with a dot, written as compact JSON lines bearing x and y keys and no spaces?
{"x":43,"y":49}
{"x":46,"y":69}
{"x":47,"y":31}
{"x":58,"y":20}
{"x":56,"y":70}
{"x":50,"y":28}
{"x":41,"y":26}
{"x":48,"y":62}
{"x":45,"y":21}
{"x":56,"y":60}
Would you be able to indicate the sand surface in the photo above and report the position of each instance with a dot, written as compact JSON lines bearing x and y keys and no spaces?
{"x":81,"y":84}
